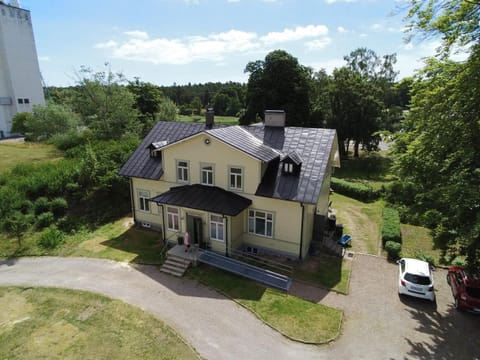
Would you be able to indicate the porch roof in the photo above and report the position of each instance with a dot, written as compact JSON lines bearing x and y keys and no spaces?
{"x":207,"y":198}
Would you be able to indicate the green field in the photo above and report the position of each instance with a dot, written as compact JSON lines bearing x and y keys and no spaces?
{"x":41,"y":323}
{"x":219,"y":120}
{"x":13,"y":153}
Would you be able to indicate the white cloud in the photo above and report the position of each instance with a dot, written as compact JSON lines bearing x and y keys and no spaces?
{"x":139,"y":46}
{"x":44,"y":58}
{"x":137,"y":34}
{"x":341,"y":30}
{"x":318,"y":43}
{"x":300,"y":32}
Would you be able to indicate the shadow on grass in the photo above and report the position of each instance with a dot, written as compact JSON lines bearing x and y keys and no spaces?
{"x":231,"y":285}
{"x":329,"y":272}
{"x":373,"y":167}
{"x":146,"y":244}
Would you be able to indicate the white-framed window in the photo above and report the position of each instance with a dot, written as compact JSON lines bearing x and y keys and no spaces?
{"x":173,"y":219}
{"x":182,"y":171}
{"x":143,"y":203}
{"x":206,"y":174}
{"x":260,"y":223}
{"x":217,"y":228}
{"x":288,"y":167}
{"x":236,"y":178}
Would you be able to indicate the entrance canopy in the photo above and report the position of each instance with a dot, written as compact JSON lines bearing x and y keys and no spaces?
{"x":207,"y":198}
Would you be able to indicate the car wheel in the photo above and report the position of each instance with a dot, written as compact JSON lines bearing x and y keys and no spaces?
{"x":455,"y":303}
{"x":448,"y":279}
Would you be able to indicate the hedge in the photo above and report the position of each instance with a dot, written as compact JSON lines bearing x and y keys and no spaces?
{"x":357,"y":191}
{"x":393,"y":249}
{"x":391,"y":226}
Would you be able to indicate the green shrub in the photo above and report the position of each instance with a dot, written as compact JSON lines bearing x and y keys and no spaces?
{"x":357,"y":191}
{"x":391,"y":226}
{"x":425,"y":257}
{"x":45,"y":219}
{"x":42,"y":205}
{"x":51,"y":238}
{"x":431,"y":218}
{"x":393,"y":249}
{"x":58,"y":206}
{"x":458,"y":261}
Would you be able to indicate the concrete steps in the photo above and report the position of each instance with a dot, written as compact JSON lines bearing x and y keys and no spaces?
{"x":175,"y":265}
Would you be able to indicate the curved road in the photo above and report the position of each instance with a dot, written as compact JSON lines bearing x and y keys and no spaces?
{"x":215,"y":326}
{"x":378,"y":325}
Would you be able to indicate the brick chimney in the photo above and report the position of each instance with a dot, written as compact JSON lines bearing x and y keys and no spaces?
{"x":209,"y":118}
{"x":275,"y":118}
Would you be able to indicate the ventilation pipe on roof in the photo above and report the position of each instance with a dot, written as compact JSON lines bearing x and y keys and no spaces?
{"x":275,"y":118}
{"x":209,"y":118}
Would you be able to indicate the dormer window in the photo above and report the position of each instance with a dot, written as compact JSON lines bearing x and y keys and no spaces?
{"x":288,"y":168}
{"x":155,"y":148}
{"x":292,"y":164}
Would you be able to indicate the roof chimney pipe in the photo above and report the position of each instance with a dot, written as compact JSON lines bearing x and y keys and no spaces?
{"x":209,"y":118}
{"x":275,"y":118}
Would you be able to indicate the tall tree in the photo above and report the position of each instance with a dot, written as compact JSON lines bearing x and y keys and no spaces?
{"x":439,"y":150}
{"x":278,"y":82}
{"x":106,"y":105}
{"x":147,"y":97}
{"x":457,"y":21}
{"x":356,"y":110}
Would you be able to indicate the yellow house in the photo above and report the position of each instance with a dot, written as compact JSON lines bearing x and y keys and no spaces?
{"x":262,"y":188}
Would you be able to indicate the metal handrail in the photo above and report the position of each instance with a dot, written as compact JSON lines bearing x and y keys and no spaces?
{"x":262,"y":262}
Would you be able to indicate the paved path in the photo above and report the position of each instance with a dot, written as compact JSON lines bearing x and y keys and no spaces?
{"x":215,"y":326}
{"x":378,"y":325}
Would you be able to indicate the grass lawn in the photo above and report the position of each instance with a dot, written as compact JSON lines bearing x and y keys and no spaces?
{"x":219,"y":120}
{"x":417,"y":240}
{"x":294,"y":317}
{"x":41,"y":323}
{"x":330,"y":272}
{"x":119,"y":241}
{"x":361,"y":220}
{"x":13,"y":153}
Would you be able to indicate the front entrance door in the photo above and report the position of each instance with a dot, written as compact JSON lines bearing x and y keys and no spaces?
{"x":195,"y":229}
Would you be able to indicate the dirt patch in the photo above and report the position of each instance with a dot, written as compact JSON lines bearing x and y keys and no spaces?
{"x":53,"y":339}
{"x":90,"y":311}
{"x":15,"y":309}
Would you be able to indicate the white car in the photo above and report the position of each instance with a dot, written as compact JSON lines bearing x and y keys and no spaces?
{"x":415,"y":279}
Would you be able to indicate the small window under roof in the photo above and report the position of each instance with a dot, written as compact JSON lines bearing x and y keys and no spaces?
{"x":292,"y":163}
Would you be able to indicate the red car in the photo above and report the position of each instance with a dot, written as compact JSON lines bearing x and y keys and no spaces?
{"x":465,"y":289}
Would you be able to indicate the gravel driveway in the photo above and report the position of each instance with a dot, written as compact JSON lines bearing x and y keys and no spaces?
{"x":378,"y":325}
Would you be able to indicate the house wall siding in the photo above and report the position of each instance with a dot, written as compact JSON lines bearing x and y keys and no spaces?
{"x":287,"y":225}
{"x":196,"y":152}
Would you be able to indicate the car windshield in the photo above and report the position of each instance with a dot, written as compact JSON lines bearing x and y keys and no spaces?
{"x":473,"y":292}
{"x":417,"y":279}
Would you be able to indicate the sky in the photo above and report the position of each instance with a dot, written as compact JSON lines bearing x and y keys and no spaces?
{"x":168,"y":42}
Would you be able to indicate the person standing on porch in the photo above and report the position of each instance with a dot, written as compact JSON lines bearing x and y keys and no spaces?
{"x":187,"y":241}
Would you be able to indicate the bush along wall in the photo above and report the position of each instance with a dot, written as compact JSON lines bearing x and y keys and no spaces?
{"x":391,"y":226}
{"x":357,"y":191}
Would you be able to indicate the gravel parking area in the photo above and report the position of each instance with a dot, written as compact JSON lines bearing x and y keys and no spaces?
{"x":381,"y":325}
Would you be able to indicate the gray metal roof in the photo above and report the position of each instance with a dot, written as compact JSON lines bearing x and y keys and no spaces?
{"x":140,"y":164}
{"x":311,"y":146}
{"x":206,"y":198}
{"x":243,"y":140}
